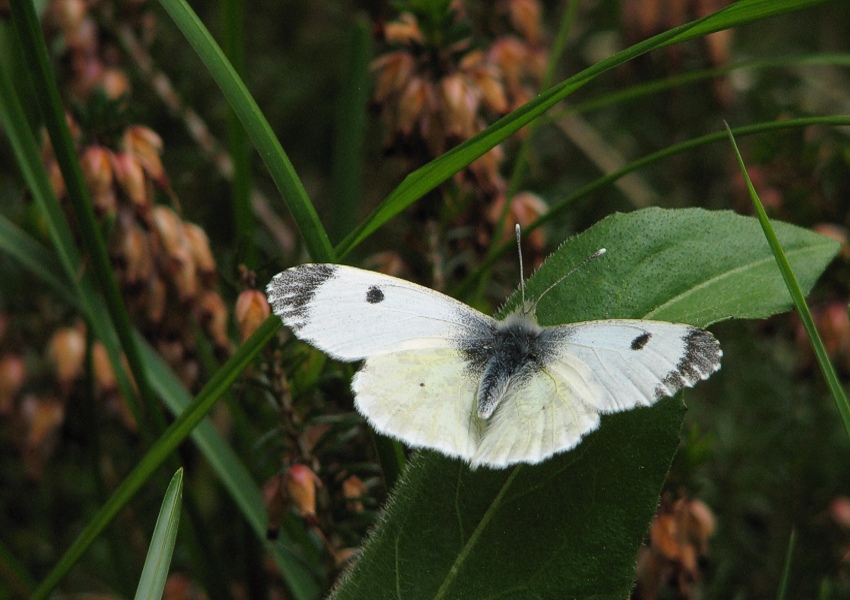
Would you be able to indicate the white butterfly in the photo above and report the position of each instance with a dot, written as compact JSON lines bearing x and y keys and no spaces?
{"x":439,"y":374}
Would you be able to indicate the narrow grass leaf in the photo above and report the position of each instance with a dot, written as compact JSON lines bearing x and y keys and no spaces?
{"x":158,"y":560}
{"x":257,"y":127}
{"x":786,"y":569}
{"x":238,"y":147}
{"x":350,"y":127}
{"x":797,"y":295}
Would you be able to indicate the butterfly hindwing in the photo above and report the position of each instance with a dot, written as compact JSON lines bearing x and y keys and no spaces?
{"x":425,"y":398}
{"x":537,"y":419}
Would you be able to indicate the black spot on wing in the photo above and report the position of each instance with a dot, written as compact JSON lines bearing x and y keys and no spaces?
{"x":640,"y":341}
{"x":374,"y":295}
{"x":701,"y":358}
{"x":291,"y":292}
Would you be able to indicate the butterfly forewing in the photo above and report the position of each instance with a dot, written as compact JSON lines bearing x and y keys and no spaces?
{"x":353,"y":314}
{"x":634,"y":362}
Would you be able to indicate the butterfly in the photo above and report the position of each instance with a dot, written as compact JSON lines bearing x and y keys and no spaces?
{"x":439,"y":374}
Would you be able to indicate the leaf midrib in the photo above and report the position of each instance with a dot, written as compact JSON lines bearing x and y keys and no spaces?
{"x":713,"y":280}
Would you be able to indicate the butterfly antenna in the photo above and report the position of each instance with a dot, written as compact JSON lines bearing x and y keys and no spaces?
{"x":596,"y":254}
{"x":519,"y":252}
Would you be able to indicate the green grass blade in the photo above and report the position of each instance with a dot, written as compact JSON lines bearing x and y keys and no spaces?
{"x":257,"y":127}
{"x":31,"y":255}
{"x":797,"y":296}
{"x":426,"y":178}
{"x":158,"y":560}
{"x":350,"y":127}
{"x":233,"y":41}
{"x":649,"y":88}
{"x":786,"y":569}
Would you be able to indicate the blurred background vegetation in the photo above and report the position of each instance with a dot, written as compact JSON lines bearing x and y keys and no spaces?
{"x":360,"y":94}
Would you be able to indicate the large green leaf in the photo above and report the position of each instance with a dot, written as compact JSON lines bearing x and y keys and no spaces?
{"x":570,"y":527}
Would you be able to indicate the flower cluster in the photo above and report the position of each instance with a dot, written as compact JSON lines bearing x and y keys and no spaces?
{"x":678,"y":542}
{"x":440,"y":84}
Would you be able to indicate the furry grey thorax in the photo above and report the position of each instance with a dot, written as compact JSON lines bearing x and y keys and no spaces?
{"x":508,"y":354}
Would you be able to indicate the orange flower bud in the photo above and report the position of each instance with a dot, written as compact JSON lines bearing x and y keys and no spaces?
{"x":525,"y":17}
{"x":301,"y":484}
{"x":13,"y":372}
{"x":114,"y":83}
{"x":212,"y":314}
{"x":404,"y":31}
{"x":836,"y":232}
{"x":486,"y":169}
{"x":144,"y":143}
{"x":414,"y":101}
{"x":354,"y":489}
{"x":486,"y":78}
{"x":42,"y":417}
{"x":104,"y":376}
{"x":65,"y":15}
{"x":663,"y":536}
{"x":136,"y":251}
{"x":57,"y":182}
{"x":834,"y":327}
{"x":83,"y":41}
{"x":699,"y":524}
{"x":131,"y":178}
{"x":460,"y":105}
{"x":342,"y":557}
{"x":839,"y":510}
{"x":172,"y":351}
{"x":510,"y":55}
{"x":172,"y":236}
{"x":185,"y":277}
{"x":67,"y":351}
{"x":180,"y":586}
{"x":199,"y":247}
{"x":526,"y":208}
{"x":155,"y":299}
{"x":393,"y":71}
{"x":252,"y":308}
{"x":97,"y":170}
{"x":274,"y":497}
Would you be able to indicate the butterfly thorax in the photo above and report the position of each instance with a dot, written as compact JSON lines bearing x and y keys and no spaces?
{"x":518,"y":349}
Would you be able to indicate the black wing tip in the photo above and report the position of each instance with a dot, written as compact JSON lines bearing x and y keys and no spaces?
{"x":289,"y":292}
{"x":699,"y":361}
